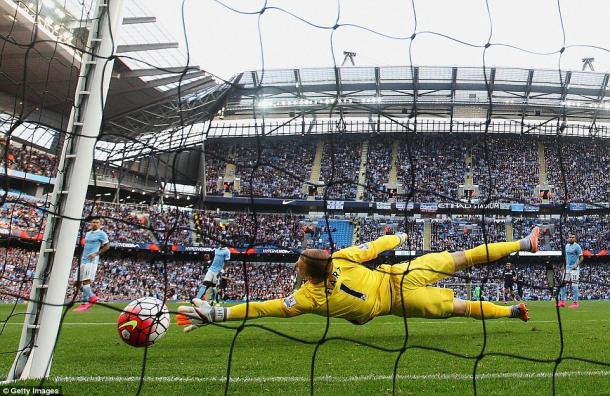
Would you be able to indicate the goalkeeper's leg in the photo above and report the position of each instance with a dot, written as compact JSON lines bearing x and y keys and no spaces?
{"x":488,"y":310}
{"x":495,"y":251}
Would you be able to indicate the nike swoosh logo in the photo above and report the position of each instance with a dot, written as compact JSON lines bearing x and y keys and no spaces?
{"x":132,"y":323}
{"x":284,"y":202}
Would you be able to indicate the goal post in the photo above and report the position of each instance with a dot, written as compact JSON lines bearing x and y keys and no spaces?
{"x":47,"y":297}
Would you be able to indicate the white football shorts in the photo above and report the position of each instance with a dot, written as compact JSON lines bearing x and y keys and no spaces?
{"x":87,"y":272}
{"x":572,"y":275}
{"x":211,"y":276}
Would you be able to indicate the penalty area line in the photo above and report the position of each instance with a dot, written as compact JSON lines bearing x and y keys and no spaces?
{"x":330,"y":378}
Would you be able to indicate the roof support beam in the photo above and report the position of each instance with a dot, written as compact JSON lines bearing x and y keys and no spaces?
{"x":338,"y":82}
{"x":453,"y":84}
{"x":139,"y":20}
{"x":299,"y":83}
{"x":153,"y":72}
{"x":415,"y":78}
{"x":163,"y":81}
{"x":185,"y":89}
{"x":526,"y":97}
{"x":600,"y":98}
{"x":491,"y":82}
{"x":566,"y":86}
{"x":255,"y":80}
{"x":377,"y":82}
{"x":121,"y":49}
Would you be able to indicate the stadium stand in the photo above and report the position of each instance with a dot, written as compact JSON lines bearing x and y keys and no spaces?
{"x":432,"y":153}
{"x":340,"y":232}
{"x":586,"y":164}
{"x":372,"y":228}
{"x":215,"y":167}
{"x":458,"y":234}
{"x":512,"y":170}
{"x":378,"y":171}
{"x":340,"y":164}
{"x":513,"y":177}
{"x":270,"y":178}
{"x":26,"y":159}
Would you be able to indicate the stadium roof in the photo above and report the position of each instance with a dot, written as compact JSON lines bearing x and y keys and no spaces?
{"x":41,"y":74}
{"x":150,"y":108}
{"x":447,"y":92}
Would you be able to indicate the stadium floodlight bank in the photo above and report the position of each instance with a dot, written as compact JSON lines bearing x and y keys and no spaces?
{"x":44,"y":311}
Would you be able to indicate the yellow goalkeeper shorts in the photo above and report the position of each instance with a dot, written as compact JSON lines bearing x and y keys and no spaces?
{"x":410,"y":280}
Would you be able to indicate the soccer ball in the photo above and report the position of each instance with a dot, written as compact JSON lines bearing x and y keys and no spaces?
{"x":143,"y":322}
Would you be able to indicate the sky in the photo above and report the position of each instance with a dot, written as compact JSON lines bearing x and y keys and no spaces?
{"x":225,"y":42}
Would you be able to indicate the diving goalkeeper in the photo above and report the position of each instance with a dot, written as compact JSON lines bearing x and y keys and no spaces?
{"x":358,"y":294}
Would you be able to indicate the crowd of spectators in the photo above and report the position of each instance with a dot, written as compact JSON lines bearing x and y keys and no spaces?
{"x":439,"y":164}
{"x":122,"y":223}
{"x":460,"y":234}
{"x":172,"y":225}
{"x":237,"y":229}
{"x":161,"y":225}
{"x":207,"y":228}
{"x":26,"y":159}
{"x":21,"y":213}
{"x":586,"y":164}
{"x":216,"y":158}
{"x":265,"y":281}
{"x":371,"y":229}
{"x":505,"y":167}
{"x":594,"y":281}
{"x":592,"y":232}
{"x":16,"y":273}
{"x":282,"y":168}
{"x":512,"y":164}
{"x":282,"y":231}
{"x":379,"y":163}
{"x":339,"y":169}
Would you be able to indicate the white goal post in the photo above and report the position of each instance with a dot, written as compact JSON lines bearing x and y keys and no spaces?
{"x":47,"y":297}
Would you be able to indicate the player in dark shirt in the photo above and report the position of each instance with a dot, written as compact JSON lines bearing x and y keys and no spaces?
{"x":509,"y":279}
{"x":221,"y":288}
{"x":519,"y":282}
{"x":550,"y":277}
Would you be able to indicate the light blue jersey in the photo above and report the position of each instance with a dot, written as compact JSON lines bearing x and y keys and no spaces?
{"x":220,"y":256}
{"x":94,"y":240}
{"x":573,"y":252}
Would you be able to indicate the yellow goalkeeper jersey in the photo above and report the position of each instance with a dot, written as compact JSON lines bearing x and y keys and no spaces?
{"x":353,"y":292}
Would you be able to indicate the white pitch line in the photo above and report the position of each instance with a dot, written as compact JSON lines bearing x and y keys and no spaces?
{"x":330,"y":378}
{"x":288,"y":322}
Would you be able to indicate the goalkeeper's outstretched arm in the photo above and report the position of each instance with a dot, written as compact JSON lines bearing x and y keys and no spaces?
{"x":201,"y":313}
{"x":369,"y":251}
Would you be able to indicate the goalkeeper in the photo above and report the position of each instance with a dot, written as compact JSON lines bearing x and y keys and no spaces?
{"x":340,"y":286}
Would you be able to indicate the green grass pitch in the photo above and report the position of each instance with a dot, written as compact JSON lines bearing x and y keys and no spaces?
{"x":91,"y":359}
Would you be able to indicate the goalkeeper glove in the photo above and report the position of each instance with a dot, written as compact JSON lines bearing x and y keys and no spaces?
{"x":403,"y":237}
{"x":192,"y":317}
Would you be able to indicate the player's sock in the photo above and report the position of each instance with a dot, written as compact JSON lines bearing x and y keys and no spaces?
{"x":214,"y":294}
{"x":208,"y":294}
{"x":200,"y":292}
{"x":563,"y":293}
{"x":576,"y":293}
{"x":86,"y":292}
{"x":478,"y":309}
{"x":491,"y":252}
